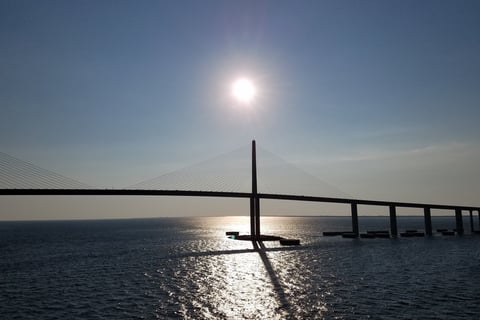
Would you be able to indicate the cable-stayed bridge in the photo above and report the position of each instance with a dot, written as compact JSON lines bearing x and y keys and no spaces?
{"x":204,"y":179}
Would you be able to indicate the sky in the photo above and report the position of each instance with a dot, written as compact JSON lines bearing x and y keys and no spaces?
{"x":380,"y":99}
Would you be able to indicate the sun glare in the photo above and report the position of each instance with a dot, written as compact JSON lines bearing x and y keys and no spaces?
{"x":244,"y":90}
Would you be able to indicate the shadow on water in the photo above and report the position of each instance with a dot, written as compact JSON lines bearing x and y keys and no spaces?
{"x":259,"y":248}
{"x":277,"y":287}
{"x":239,"y":251}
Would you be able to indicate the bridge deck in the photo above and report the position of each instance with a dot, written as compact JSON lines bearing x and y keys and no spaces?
{"x":224,"y":194}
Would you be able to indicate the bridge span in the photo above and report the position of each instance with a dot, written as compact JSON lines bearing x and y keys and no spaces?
{"x":354,"y":203}
{"x":225,"y":194}
{"x":254,"y":196}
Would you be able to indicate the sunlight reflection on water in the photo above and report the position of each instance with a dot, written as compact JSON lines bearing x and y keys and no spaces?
{"x":242,"y":280}
{"x":186,"y":268}
{"x":321,"y":279}
{"x":233,"y":285}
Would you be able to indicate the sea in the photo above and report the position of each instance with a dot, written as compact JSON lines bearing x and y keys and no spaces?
{"x":186,"y":268}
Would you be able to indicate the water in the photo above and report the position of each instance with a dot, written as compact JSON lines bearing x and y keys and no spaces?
{"x":185,"y":268}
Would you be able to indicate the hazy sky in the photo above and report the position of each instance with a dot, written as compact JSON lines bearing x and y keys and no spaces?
{"x":378,"y":98}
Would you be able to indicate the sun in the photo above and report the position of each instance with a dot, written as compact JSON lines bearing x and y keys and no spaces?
{"x":243,"y":90}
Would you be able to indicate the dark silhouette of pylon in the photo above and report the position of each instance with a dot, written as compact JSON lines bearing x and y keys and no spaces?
{"x":254,"y":199}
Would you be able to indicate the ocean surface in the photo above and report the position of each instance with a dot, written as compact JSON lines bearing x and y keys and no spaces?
{"x":186,"y":268}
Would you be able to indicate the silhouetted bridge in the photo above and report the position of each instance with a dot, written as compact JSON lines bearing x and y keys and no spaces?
{"x":255,"y":197}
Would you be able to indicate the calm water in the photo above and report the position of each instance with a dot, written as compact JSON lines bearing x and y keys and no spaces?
{"x":185,"y":268}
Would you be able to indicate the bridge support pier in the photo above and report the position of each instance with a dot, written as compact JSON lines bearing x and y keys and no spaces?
{"x":257,"y":218}
{"x":393,"y":221}
{"x":459,"y":221}
{"x":252,"y":217}
{"x":471,"y":221}
{"x":427,"y":215}
{"x":355,"y":219}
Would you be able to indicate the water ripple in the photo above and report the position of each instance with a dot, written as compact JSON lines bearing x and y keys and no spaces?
{"x":187,"y":269}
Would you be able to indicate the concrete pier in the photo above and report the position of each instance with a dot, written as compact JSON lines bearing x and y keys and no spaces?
{"x":459,"y":221}
{"x":252,"y":216}
{"x":354,"y":219}
{"x":393,"y":221}
{"x":428,"y":220}
{"x":257,"y":217}
{"x":471,"y":221}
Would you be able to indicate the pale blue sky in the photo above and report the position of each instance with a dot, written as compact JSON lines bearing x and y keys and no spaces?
{"x":379,"y":98}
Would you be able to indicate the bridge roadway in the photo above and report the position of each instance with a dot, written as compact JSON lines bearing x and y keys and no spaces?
{"x":225,"y":194}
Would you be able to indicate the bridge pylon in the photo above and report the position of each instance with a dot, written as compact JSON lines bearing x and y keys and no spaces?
{"x":254,"y":199}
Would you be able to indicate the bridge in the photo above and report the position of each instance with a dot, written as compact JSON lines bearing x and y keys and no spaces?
{"x":254,"y":197}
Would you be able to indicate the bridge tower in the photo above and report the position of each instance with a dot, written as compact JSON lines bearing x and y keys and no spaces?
{"x":254,"y":199}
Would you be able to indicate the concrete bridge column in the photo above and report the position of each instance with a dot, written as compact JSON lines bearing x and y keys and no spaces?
{"x":428,"y":220}
{"x":393,"y":221}
{"x":257,"y":217}
{"x":478,"y":211}
{"x":471,"y":221}
{"x":252,"y":217}
{"x":355,"y":218}
{"x":459,"y":221}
